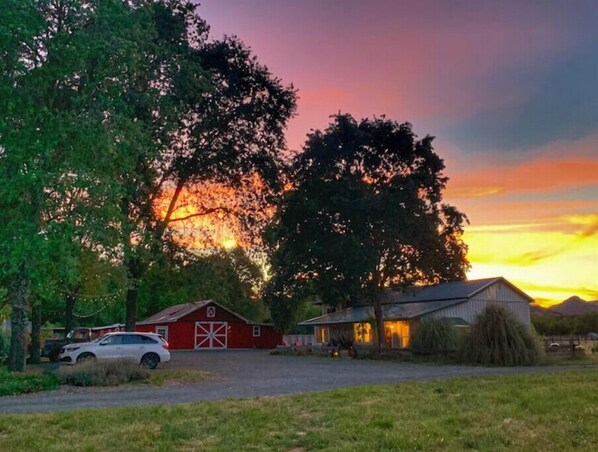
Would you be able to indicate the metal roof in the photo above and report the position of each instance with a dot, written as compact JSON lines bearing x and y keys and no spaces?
{"x":443,"y":291}
{"x":174,"y":313}
{"x":178,"y":311}
{"x":394,"y":311}
{"x":414,"y":301}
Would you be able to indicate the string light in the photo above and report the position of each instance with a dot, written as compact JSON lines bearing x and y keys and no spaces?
{"x":105,"y":300}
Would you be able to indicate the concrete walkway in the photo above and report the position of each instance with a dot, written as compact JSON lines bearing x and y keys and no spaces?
{"x":246,"y":374}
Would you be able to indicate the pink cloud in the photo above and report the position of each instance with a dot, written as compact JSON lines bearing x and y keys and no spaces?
{"x":411,"y":61}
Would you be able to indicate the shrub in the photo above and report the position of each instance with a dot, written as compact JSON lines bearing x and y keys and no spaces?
{"x":19,"y":383}
{"x":498,"y":338}
{"x":101,"y":373}
{"x":434,"y":336}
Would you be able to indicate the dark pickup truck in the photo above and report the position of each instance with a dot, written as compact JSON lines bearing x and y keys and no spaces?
{"x":52,"y":346}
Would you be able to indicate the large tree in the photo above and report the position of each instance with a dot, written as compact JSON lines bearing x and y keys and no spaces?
{"x":365,"y":213}
{"x":227,"y":130}
{"x":57,"y":135}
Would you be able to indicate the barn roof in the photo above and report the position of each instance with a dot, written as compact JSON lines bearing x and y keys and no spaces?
{"x":414,"y":302}
{"x":175,"y":312}
{"x":178,"y":311}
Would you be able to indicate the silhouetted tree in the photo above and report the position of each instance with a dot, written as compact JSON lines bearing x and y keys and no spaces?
{"x":365,"y":213}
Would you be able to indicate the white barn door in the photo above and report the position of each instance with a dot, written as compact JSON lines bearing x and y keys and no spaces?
{"x":210,"y":335}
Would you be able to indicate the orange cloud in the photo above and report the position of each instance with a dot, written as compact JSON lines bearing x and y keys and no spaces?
{"x":534,"y":176}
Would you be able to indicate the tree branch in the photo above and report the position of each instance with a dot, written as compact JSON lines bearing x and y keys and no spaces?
{"x":201,"y":214}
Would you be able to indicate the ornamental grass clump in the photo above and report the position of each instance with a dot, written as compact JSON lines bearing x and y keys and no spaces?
{"x":434,"y":336}
{"x":102,"y":374}
{"x":498,"y":338}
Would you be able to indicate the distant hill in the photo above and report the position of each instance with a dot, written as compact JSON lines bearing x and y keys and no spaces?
{"x":537,"y":310}
{"x":574,"y":306}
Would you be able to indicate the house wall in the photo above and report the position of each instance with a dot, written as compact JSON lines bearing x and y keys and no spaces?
{"x":498,"y":293}
{"x":181,"y":334}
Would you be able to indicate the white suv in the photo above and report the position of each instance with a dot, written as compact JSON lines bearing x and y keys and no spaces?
{"x":148,"y":349}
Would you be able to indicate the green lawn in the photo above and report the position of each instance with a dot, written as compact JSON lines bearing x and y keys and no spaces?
{"x":524,"y":412}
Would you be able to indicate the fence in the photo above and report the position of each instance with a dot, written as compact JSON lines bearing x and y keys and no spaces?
{"x":564,"y":344}
{"x":299,"y":340}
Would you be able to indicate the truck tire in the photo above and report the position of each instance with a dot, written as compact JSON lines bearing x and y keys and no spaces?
{"x":54,"y":356}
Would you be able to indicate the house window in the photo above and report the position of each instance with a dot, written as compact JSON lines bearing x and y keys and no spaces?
{"x":162,"y":331}
{"x":211,"y":311}
{"x":397,"y":334}
{"x":362,"y":333}
{"x":322,"y":335}
{"x":257,"y":331}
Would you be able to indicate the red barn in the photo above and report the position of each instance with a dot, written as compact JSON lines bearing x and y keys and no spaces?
{"x":207,"y":325}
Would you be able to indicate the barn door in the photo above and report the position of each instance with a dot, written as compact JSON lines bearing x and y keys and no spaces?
{"x":210,"y":335}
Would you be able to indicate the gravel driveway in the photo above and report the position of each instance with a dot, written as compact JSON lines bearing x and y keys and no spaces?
{"x":250,"y":373}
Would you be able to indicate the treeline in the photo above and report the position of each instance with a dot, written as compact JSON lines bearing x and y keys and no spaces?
{"x":558,"y":326}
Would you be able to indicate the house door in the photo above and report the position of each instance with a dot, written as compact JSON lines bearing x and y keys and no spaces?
{"x":210,"y":335}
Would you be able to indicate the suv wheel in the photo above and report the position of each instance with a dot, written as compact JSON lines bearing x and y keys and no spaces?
{"x":85,"y":357}
{"x":150,"y":360}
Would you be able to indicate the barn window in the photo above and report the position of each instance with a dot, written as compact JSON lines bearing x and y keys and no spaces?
{"x":162,"y":331}
{"x":362,"y":333}
{"x":211,"y":311}
{"x":257,"y":331}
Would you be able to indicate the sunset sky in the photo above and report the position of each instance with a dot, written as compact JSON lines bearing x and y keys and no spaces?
{"x":509,"y":88}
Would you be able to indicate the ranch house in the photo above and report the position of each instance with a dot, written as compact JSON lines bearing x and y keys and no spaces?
{"x":403,"y":311}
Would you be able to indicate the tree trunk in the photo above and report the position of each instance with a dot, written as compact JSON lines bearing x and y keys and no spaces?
{"x":131,"y":315}
{"x":378,"y":317}
{"x":19,"y":294}
{"x":68,"y":313}
{"x":36,"y":325}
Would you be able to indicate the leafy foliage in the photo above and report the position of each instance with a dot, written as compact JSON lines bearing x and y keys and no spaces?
{"x":18,"y":383}
{"x":4,"y":343}
{"x":434,"y":336}
{"x":498,"y":338}
{"x":229,"y":278}
{"x":579,"y":324}
{"x":64,"y":135}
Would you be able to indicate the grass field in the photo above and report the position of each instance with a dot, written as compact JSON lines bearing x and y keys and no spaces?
{"x":524,"y":412}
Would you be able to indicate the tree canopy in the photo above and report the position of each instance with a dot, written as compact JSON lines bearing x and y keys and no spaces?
{"x":365,"y":213}
{"x":228,"y":277}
